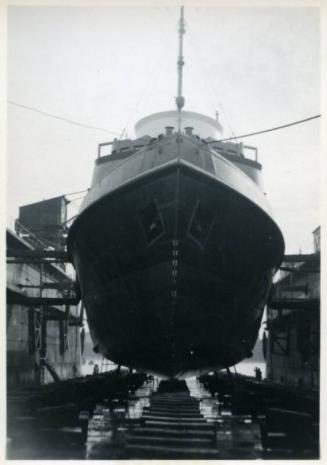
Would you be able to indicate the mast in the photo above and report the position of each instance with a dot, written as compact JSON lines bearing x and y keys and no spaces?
{"x":180,"y":63}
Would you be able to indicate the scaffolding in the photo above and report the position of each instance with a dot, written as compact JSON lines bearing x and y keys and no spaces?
{"x":50,"y":294}
{"x":293,"y":321}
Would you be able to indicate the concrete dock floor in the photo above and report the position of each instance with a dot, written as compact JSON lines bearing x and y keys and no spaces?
{"x":150,"y":424}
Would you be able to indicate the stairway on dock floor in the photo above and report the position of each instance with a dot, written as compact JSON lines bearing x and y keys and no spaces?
{"x":173,"y":428}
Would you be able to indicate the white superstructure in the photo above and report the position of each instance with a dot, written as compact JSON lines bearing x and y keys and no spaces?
{"x":155,"y":124}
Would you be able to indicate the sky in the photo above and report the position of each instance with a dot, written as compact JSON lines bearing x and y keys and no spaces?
{"x":107,"y":67}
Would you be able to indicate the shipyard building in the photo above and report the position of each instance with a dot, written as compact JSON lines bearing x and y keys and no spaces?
{"x":44,"y":326}
{"x":292,"y":337}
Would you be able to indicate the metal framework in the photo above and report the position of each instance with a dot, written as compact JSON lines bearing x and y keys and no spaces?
{"x":42,"y":308}
{"x":282,"y":298}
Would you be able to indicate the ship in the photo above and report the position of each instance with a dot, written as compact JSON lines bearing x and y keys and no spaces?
{"x":175,"y":246}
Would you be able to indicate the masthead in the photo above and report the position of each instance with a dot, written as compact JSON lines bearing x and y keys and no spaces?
{"x":180,"y":63}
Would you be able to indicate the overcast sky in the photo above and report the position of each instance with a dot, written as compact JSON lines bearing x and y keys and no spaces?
{"x":109,"y":66}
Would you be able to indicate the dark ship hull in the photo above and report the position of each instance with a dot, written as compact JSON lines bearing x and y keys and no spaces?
{"x":175,"y":250}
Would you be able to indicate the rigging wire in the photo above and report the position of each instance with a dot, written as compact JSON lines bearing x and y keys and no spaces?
{"x":138,"y":103}
{"x":266,"y":130}
{"x":61,"y":118}
{"x":211,"y":86}
{"x":148,"y":88}
{"x":74,"y":193}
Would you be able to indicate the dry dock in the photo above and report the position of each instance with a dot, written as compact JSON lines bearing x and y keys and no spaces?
{"x":53,"y":412}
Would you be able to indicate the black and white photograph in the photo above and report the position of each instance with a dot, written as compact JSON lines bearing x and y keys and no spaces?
{"x":163,"y":231}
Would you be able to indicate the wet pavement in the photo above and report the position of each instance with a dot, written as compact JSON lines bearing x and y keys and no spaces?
{"x":146,"y":425}
{"x":105,"y":432}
